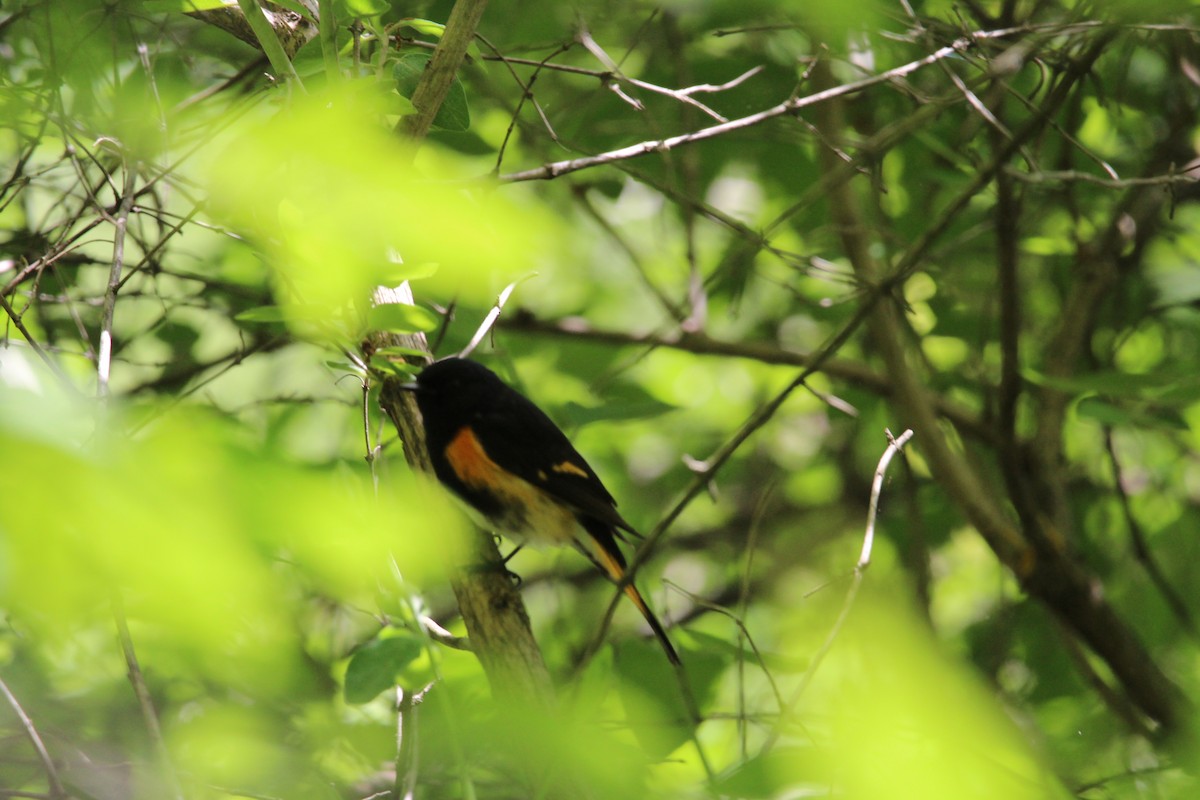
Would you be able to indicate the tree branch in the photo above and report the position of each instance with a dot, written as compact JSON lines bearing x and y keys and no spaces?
{"x":439,"y":74}
{"x":1038,"y":561}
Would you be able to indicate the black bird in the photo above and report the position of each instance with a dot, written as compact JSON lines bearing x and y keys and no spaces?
{"x":508,"y":461}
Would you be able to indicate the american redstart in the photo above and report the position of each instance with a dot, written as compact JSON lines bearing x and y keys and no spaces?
{"x":506,"y":459}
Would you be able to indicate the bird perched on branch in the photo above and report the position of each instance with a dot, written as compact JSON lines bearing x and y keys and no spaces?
{"x":509,"y":462}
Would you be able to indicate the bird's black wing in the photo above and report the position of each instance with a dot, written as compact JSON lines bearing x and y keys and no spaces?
{"x":519,"y":437}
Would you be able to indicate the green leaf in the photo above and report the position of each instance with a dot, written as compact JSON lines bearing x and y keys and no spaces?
{"x":401,"y":318}
{"x":425,"y":26}
{"x":375,"y":666}
{"x":625,"y":402}
{"x":454,"y":115}
{"x":435,"y":29}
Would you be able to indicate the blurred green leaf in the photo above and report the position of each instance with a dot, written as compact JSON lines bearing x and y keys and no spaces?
{"x":190,"y":528}
{"x":332,"y":216}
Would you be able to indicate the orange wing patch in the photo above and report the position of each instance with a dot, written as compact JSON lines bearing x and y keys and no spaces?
{"x":472,"y":465}
{"x":567,"y":468}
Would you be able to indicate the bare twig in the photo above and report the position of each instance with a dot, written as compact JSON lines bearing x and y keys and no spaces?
{"x":490,"y":319}
{"x":864,"y":559}
{"x":443,"y":636}
{"x":55,"y":783}
{"x":790,"y":106}
{"x":37,"y":348}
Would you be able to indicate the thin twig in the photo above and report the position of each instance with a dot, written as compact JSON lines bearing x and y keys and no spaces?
{"x":706,"y":471}
{"x":1141,"y":547}
{"x":490,"y":319}
{"x":56,"y":786}
{"x":864,"y":559}
{"x":964,"y":419}
{"x":444,"y":637}
{"x":37,"y":348}
{"x":1187,"y":176}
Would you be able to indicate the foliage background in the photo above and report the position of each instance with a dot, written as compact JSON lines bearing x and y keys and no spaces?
{"x":212,"y":581}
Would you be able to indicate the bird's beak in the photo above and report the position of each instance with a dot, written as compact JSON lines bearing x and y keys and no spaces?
{"x":411,"y":386}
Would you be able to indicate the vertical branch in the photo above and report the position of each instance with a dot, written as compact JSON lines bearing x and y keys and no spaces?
{"x":1010,"y":310}
{"x":1015,"y":468}
{"x":405,"y":784}
{"x":145,"y":702}
{"x":439,"y":74}
{"x":120,"y":224}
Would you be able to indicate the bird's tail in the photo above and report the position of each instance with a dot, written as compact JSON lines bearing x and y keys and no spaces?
{"x":605,"y":555}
